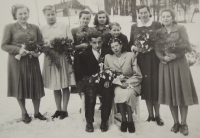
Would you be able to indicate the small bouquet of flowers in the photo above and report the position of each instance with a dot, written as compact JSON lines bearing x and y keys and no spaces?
{"x":29,"y":46}
{"x":193,"y":57}
{"x":121,"y":79}
{"x":145,"y":41}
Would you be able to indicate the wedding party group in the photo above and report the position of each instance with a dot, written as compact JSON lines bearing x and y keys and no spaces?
{"x":100,"y":60}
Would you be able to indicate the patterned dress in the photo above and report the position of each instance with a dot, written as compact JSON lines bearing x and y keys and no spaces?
{"x":24,"y":75}
{"x":148,"y":62}
{"x":53,"y":78}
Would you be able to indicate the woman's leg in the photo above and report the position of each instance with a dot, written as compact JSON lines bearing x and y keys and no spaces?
{"x":122,"y":110}
{"x":183,"y":112}
{"x":156,"y":108}
{"x":36,"y":104}
{"x":66,"y":96}
{"x":130,"y":113}
{"x":149,"y":104}
{"x":174,"y":111}
{"x":58,"y":99}
{"x":184,"y":126}
{"x":21,"y":103}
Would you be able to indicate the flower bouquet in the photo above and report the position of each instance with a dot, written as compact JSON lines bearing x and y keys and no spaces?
{"x":179,"y":47}
{"x":120,"y":79}
{"x":29,"y":46}
{"x":145,"y":41}
{"x":193,"y":57}
{"x":59,"y":46}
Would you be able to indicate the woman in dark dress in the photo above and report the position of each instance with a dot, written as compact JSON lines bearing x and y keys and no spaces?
{"x":115,"y":32}
{"x":24,"y":75}
{"x":148,"y":63}
{"x":176,"y":87}
{"x":101,"y":19}
{"x":80,"y":35}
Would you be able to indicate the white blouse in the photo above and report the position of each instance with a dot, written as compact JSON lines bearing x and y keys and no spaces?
{"x":56,"y":30}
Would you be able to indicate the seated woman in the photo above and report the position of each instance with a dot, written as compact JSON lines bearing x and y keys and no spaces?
{"x":125,"y":94}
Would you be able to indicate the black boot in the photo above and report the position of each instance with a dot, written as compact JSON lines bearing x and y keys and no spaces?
{"x":124,"y":126}
{"x":104,"y":126}
{"x":89,"y":127}
{"x":131,"y":127}
{"x":40,"y":116}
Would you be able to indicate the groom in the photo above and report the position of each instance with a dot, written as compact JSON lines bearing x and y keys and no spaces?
{"x":90,"y":66}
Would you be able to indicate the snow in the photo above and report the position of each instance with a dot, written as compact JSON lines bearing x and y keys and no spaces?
{"x":11,"y":125}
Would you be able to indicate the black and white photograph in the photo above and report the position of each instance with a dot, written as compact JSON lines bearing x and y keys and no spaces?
{"x":99,"y":68}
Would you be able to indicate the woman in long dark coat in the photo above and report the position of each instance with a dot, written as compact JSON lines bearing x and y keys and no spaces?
{"x":24,"y":75}
{"x":148,"y":63}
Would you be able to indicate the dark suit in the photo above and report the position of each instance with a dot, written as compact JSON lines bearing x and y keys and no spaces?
{"x":89,"y":67}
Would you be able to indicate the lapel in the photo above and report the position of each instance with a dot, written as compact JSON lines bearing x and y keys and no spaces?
{"x":123,"y":60}
{"x":91,"y":56}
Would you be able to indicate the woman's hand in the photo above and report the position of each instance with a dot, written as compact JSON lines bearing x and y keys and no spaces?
{"x":134,"y":48}
{"x":23,"y":52}
{"x":169,"y":58}
{"x":47,"y":44}
{"x":84,"y":45}
{"x":106,"y":84}
{"x":35,"y":54}
{"x":124,"y":85}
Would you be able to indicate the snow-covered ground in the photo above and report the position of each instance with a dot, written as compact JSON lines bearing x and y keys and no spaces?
{"x":11,"y":125}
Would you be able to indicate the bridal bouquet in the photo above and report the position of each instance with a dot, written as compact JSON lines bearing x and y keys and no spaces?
{"x":145,"y":41}
{"x":106,"y":75}
{"x":121,"y":79}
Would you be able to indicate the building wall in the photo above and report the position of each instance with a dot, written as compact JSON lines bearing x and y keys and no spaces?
{"x":74,"y":12}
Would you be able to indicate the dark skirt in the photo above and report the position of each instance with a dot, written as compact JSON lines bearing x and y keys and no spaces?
{"x":149,"y":63}
{"x":29,"y":84}
{"x":176,"y":86}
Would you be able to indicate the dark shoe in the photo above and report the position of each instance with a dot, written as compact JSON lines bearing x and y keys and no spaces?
{"x":56,"y":114}
{"x":159,"y":121}
{"x":131,"y":127}
{"x":63,"y":114}
{"x":124,"y":126}
{"x":176,"y":127}
{"x":40,"y":116}
{"x":89,"y":127}
{"x":100,"y":107}
{"x":150,"y":119}
{"x":184,"y":130}
{"x":26,"y":119}
{"x":104,"y":126}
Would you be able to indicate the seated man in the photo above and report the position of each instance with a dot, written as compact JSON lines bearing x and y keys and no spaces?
{"x":89,"y":62}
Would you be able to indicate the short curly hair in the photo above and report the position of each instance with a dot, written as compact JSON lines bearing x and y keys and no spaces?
{"x":16,"y":7}
{"x":94,"y":34}
{"x":49,"y":7}
{"x":96,"y":18}
{"x":113,"y":40}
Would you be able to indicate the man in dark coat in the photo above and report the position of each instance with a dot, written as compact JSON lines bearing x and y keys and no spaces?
{"x":90,"y":66}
